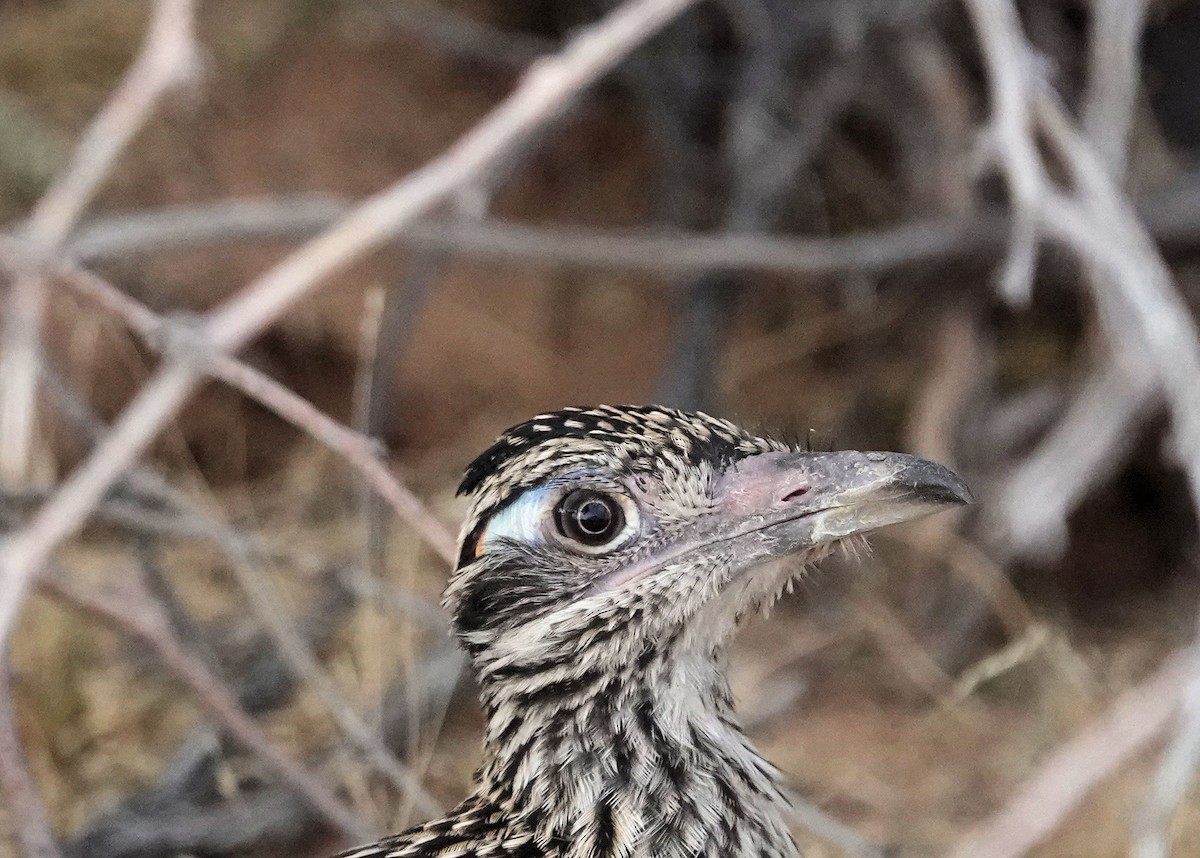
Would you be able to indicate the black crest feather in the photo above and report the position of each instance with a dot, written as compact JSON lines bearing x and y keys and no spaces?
{"x":691,"y":436}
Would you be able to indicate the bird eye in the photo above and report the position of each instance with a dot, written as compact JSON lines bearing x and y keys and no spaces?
{"x":589,"y":517}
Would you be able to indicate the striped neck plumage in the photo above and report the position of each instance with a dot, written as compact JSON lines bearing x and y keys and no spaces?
{"x":604,"y":754}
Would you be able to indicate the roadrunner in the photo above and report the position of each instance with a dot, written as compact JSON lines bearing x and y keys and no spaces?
{"x":608,"y":555}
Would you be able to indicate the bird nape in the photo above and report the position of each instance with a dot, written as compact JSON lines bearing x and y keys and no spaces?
{"x":608,"y":556}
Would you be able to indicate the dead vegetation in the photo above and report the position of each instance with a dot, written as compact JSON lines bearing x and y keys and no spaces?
{"x":385,"y":230}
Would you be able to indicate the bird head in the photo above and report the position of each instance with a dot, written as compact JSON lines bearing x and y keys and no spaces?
{"x":649,"y":529}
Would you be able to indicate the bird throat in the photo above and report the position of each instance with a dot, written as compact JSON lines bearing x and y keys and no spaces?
{"x":643,"y":758}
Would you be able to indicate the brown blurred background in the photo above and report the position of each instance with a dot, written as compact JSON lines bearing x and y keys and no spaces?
{"x":905,"y":694}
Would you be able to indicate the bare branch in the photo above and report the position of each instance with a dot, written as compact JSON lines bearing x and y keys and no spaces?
{"x":179,"y":339}
{"x":458,"y":35}
{"x":227,"y":221}
{"x":544,"y":91}
{"x":847,"y":840}
{"x":1170,"y":215}
{"x":868,"y":252}
{"x":1142,"y":315}
{"x":1113,"y":73}
{"x":133,"y":613}
{"x":300,"y":658}
{"x":245,"y":558}
{"x":1063,"y":781}
{"x":1035,"y":499}
{"x":25,"y":809}
{"x":1008,"y":79}
{"x":1030,"y":505}
{"x":357,"y":449}
{"x":167,"y":59}
{"x":542,"y":94}
{"x":1152,"y":828}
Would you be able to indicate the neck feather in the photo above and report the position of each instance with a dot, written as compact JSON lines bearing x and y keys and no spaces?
{"x":633,"y":756}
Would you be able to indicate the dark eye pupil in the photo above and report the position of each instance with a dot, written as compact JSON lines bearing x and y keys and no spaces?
{"x":594,"y":517}
{"x":589,"y":517}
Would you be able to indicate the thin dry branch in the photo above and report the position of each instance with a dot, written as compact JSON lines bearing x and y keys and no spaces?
{"x":204,"y":225}
{"x":1152,"y":827}
{"x":243,"y":556}
{"x":133,"y":613}
{"x":1141,"y":313}
{"x":543,"y":93}
{"x":168,"y":820}
{"x":1113,"y":75}
{"x":177,"y":338}
{"x":848,"y":841}
{"x":1031,"y":503}
{"x":1008,"y":80}
{"x":1172,"y":217}
{"x":168,"y":58}
{"x":269,"y":608}
{"x":357,"y":449}
{"x":1092,"y":439}
{"x":22,"y":803}
{"x":677,"y":252}
{"x":458,"y":35}
{"x":1063,"y":781}
{"x":187,"y":519}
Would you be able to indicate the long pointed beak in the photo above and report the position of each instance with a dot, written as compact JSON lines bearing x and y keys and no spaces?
{"x":777,"y":504}
{"x":802,"y":500}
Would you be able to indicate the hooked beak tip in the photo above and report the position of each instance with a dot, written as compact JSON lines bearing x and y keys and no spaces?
{"x":933,"y":483}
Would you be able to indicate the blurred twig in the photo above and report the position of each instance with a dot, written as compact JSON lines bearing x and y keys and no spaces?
{"x":1172,"y":217}
{"x":543,"y":92}
{"x":773,"y":126}
{"x":1095,"y":433}
{"x":292,"y":645}
{"x":22,"y":803}
{"x":658,"y":251}
{"x":295,"y":651}
{"x":1063,"y":781}
{"x":847,"y":840}
{"x":1141,"y":313}
{"x":182,"y":814}
{"x":178,"y":338}
{"x":1113,"y":75}
{"x":353,"y":446}
{"x":224,"y":222}
{"x":457,"y":35}
{"x":133,"y":613}
{"x":1032,"y":502}
{"x":169,"y":57}
{"x":184,"y":518}
{"x":1008,"y":135}
{"x":1152,"y":827}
